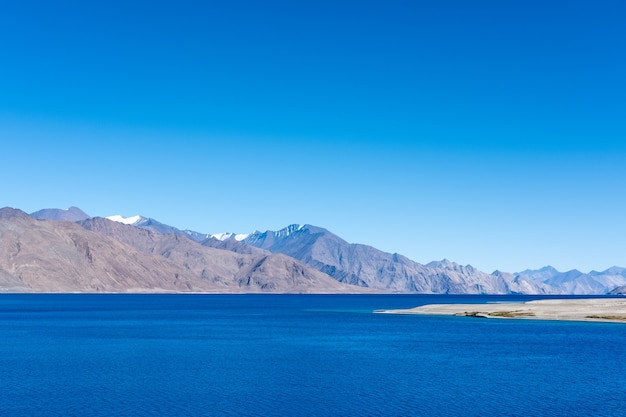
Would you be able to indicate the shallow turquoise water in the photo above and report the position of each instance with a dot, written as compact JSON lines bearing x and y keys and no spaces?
{"x":228,"y":355}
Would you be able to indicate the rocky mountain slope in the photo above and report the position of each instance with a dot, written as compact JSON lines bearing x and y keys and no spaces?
{"x":263,"y":270}
{"x":59,"y":256}
{"x":53,"y":256}
{"x":618,"y":291}
{"x":233,"y":246}
{"x":141,"y":254}
{"x":366,"y":266}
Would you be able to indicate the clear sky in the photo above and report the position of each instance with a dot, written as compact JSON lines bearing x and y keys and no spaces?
{"x":490,"y":133}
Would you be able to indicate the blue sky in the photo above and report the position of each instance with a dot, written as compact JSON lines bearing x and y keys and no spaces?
{"x":491,"y":133}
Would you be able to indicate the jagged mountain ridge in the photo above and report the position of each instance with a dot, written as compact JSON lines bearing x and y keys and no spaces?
{"x":366,"y":266}
{"x":61,"y":256}
{"x":577,"y":282}
{"x":264,"y":270}
{"x":345,"y":261}
{"x":546,"y":280}
{"x":361,"y":265}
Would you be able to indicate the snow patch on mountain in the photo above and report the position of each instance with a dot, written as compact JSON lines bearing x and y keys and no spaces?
{"x":226,"y":236}
{"x":126,"y":220}
{"x":196,"y":235}
{"x":222,"y":236}
{"x":289,"y":230}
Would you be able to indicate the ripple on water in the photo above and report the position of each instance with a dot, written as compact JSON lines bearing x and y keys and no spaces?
{"x":217,"y":358}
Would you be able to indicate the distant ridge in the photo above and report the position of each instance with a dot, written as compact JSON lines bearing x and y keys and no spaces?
{"x":72,"y":214}
{"x":576,"y":282}
{"x":366,"y":266}
{"x":156,"y":226}
{"x":297,"y":258}
{"x":10,"y":213}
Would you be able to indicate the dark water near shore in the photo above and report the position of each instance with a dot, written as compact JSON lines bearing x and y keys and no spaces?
{"x":229,"y":355}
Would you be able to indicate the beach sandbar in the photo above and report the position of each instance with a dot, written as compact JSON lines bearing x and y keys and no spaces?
{"x":588,"y":309}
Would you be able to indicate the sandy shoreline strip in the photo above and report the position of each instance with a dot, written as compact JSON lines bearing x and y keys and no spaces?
{"x":588,"y":309}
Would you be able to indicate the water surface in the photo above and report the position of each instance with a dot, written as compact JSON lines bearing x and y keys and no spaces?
{"x":235,"y":355}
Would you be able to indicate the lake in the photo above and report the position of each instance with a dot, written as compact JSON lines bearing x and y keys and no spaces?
{"x":298,"y":355}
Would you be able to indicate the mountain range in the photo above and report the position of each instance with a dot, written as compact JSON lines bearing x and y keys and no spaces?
{"x":55,"y":250}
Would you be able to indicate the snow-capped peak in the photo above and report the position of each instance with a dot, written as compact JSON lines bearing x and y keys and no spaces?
{"x":225,"y":236}
{"x":222,"y":236}
{"x":289,"y":230}
{"x":125,"y":220}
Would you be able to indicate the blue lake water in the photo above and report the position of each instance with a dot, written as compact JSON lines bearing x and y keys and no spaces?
{"x":298,"y":355}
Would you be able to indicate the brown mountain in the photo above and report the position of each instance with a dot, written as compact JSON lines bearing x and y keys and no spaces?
{"x":102,"y":256}
{"x":261,"y":269}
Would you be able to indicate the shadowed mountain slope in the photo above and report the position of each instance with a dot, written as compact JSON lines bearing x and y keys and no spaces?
{"x":53,"y":256}
{"x":366,"y":266}
{"x":576,"y":282}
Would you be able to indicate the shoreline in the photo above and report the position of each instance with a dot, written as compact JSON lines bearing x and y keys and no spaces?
{"x":611,"y":310}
